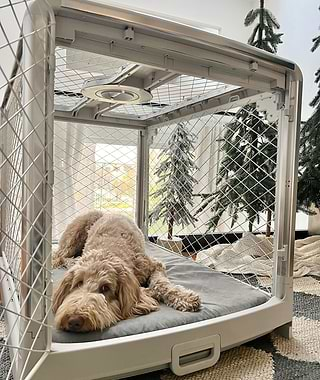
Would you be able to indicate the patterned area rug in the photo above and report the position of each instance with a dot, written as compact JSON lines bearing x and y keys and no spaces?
{"x":272,"y":357}
{"x":268,"y":358}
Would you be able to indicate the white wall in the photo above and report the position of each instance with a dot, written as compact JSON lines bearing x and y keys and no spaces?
{"x":226,"y":14}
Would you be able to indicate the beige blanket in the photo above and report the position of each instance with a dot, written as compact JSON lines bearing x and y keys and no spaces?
{"x":254,"y":254}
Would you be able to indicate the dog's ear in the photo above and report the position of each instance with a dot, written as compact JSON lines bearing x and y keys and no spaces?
{"x":132,"y":298}
{"x":63,"y":290}
{"x":128,"y":291}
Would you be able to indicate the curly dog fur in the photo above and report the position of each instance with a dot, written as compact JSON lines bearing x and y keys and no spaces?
{"x":110,"y":278}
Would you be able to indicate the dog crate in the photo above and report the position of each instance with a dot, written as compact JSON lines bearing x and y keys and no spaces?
{"x":190,"y":133}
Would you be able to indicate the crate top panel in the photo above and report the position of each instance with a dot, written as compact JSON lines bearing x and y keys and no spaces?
{"x":126,"y":65}
{"x":166,"y":91}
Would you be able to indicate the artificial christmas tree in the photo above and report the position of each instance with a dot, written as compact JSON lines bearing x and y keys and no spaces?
{"x":175,"y":181}
{"x":309,"y":178}
{"x":246,"y":179}
{"x":263,"y":35}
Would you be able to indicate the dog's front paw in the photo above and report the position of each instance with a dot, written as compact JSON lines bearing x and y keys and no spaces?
{"x":184,"y":299}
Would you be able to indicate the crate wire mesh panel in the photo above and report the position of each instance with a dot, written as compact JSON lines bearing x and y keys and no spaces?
{"x":26,"y":157}
{"x":95,"y":168}
{"x":233,"y":180}
{"x":161,"y":122}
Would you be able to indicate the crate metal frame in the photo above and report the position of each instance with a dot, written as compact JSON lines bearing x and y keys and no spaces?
{"x":173,"y":48}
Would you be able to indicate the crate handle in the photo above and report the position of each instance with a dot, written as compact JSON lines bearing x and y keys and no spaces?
{"x":210,"y":343}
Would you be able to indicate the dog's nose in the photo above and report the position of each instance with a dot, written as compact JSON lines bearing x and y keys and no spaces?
{"x":75,"y":323}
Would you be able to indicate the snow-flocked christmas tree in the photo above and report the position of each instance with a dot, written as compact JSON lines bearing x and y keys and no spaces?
{"x":175,"y":171}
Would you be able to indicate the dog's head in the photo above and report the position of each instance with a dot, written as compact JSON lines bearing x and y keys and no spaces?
{"x":97,"y":296}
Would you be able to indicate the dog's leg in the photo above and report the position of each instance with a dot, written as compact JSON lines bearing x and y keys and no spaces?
{"x":74,"y":237}
{"x":175,"y":296}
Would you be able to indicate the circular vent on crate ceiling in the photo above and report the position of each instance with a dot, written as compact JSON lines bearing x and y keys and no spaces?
{"x":105,"y":91}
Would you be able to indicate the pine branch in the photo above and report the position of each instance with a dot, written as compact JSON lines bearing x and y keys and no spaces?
{"x":271,"y":20}
{"x":251,"y":40}
{"x":251,"y":16}
{"x":316,"y":43}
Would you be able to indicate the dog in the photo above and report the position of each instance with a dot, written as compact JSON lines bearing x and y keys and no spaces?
{"x":109,"y":276}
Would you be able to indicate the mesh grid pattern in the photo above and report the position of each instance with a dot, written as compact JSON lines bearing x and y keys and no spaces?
{"x":11,"y":168}
{"x":229,"y":155}
{"x":167,"y":97}
{"x":95,"y":167}
{"x":73,"y":68}
{"x":25,"y":236}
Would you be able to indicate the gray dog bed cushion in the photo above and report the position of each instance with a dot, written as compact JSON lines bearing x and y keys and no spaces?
{"x":220,"y":295}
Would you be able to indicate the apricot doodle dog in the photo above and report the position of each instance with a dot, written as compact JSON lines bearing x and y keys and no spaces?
{"x":110,"y":278}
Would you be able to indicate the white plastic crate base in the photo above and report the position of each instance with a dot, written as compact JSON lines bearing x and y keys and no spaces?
{"x":104,"y":153}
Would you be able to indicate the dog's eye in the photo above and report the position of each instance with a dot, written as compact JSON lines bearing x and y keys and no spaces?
{"x":104,"y":288}
{"x":78,"y":284}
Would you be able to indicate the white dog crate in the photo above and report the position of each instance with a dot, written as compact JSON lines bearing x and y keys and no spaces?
{"x":188,"y":132}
